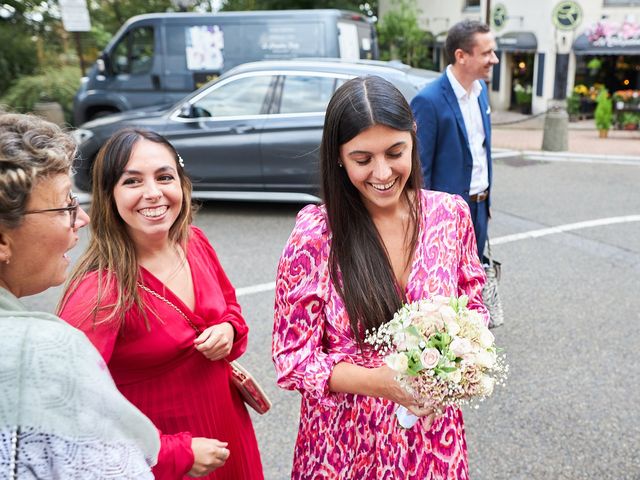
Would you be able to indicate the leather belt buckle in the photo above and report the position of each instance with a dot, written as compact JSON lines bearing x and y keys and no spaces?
{"x":479,"y":197}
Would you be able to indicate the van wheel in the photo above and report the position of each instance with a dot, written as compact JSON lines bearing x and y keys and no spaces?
{"x":101,"y":113}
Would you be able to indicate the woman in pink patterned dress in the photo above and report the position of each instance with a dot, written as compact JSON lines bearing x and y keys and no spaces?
{"x":378,"y":241}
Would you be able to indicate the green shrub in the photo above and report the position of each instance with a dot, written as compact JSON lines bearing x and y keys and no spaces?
{"x":18,"y":56}
{"x":573,"y":104}
{"x":604,"y":110}
{"x":53,"y":84}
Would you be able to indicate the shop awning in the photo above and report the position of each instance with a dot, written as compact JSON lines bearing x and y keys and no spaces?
{"x":606,"y":46}
{"x":517,"y":42}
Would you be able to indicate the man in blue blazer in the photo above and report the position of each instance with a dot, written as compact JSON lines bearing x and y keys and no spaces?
{"x":454,"y":125}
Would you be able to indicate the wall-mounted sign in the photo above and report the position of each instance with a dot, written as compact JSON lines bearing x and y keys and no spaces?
{"x":75,"y":16}
{"x":499,"y":16}
{"x":567,"y":15}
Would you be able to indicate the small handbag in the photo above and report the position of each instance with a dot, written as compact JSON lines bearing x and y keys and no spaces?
{"x":490,"y":292}
{"x":248,"y":387}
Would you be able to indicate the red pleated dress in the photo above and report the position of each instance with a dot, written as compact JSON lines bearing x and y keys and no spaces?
{"x":159,"y":370}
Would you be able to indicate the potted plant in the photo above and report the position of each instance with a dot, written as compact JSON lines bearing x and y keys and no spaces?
{"x":524,"y":95}
{"x":603,"y":113}
{"x":630,"y":120}
{"x":573,"y":107}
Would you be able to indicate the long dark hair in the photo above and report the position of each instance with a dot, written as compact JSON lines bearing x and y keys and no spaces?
{"x":359,"y":265}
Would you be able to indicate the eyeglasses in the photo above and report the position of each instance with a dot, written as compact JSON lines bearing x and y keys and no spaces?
{"x":72,"y":209}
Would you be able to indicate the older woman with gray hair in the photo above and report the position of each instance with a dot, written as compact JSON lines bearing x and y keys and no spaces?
{"x":61,"y":415}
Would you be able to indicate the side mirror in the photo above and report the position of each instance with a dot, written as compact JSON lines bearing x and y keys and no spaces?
{"x":186,"y":110}
{"x":104,"y":64}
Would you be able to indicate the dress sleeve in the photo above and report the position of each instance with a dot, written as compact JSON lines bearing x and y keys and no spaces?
{"x":233,"y":312}
{"x":78,"y":311}
{"x":301,"y":360}
{"x":471,"y":276}
{"x":175,"y":458}
{"x":425,"y":115}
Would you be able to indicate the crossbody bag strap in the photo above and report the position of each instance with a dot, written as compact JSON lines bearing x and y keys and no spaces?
{"x":171,"y":304}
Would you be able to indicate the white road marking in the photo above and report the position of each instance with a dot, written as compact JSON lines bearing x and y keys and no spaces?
{"x":266,"y":287}
{"x":564,"y":228}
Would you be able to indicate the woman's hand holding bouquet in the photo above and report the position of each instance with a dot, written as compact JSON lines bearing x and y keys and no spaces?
{"x":442,"y":354}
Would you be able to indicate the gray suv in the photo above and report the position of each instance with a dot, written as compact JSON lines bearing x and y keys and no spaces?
{"x":254,"y":133}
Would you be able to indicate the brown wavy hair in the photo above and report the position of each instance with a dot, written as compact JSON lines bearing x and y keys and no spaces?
{"x":111,"y":253}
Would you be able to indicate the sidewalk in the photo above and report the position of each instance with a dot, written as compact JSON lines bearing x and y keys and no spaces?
{"x":514,"y":131}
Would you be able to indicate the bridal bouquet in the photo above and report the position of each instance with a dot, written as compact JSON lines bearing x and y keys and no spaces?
{"x":443,"y":353}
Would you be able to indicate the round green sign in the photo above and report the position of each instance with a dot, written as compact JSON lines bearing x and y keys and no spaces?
{"x":567,"y":15}
{"x":499,"y":16}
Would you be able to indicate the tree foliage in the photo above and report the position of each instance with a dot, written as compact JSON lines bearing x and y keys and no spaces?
{"x":401,"y":38}
{"x":18,"y":55}
{"x":353,"y":5}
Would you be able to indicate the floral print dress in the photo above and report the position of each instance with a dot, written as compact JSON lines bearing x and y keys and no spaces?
{"x":356,"y":437}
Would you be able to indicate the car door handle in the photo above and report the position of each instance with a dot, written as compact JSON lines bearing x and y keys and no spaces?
{"x":242,"y":129}
{"x":155,"y":80}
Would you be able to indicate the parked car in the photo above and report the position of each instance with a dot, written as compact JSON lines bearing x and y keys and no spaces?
{"x":254,"y":133}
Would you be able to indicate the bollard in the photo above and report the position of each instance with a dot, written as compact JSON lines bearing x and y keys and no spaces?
{"x":556,"y":129}
{"x":51,"y":111}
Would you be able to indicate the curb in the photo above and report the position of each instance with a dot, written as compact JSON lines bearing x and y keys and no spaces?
{"x":502,"y":153}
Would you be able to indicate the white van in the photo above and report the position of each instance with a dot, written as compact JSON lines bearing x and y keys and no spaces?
{"x":159,"y":58}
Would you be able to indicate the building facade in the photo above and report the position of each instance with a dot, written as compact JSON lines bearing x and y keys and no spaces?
{"x":546,"y":47}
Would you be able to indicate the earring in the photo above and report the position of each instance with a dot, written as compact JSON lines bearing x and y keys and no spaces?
{"x":7,"y":261}
{"x":340,"y":164}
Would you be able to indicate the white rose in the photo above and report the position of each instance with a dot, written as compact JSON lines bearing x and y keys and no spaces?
{"x":486,"y":384}
{"x":460,"y":346}
{"x":411,"y":342}
{"x":430,"y":357}
{"x":397,"y":362}
{"x":453,"y":328}
{"x":455,"y":376}
{"x":486,"y":358}
{"x":447,"y":313}
{"x":486,"y":338}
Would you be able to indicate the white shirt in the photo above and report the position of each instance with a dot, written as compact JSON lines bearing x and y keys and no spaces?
{"x":472,"y":116}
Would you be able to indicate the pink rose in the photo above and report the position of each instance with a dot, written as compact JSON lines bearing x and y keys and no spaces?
{"x":430,"y":357}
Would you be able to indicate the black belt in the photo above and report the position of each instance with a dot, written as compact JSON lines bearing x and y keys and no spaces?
{"x":479,"y":197}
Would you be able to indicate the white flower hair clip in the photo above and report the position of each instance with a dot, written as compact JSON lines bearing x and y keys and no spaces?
{"x":180,"y":160}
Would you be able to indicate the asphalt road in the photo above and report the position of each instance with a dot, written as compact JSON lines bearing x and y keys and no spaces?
{"x":571,"y":409}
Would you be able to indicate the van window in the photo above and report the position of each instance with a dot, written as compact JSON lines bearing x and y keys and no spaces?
{"x":134,"y":52}
{"x":304,"y":94}
{"x":244,"y":96}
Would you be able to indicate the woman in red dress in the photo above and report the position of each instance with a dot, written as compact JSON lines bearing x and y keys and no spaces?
{"x":151,"y":295}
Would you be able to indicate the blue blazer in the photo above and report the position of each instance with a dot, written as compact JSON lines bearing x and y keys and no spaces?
{"x":443,"y":143}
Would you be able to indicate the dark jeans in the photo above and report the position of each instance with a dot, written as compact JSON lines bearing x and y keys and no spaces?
{"x":480,"y":217}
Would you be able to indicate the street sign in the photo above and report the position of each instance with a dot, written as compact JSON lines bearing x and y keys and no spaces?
{"x":75,"y":16}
